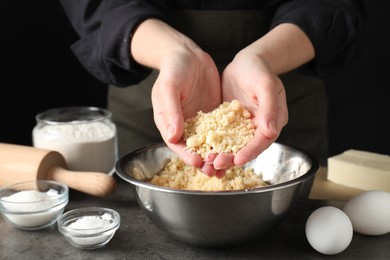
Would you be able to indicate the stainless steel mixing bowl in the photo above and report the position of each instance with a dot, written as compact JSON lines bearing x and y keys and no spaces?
{"x":221,"y":218}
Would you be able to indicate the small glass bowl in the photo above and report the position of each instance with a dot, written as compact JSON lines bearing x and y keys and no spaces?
{"x":33,"y":205}
{"x":90,"y":227}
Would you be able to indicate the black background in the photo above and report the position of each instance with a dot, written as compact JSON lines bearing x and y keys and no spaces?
{"x":359,"y":100}
{"x":38,"y":69}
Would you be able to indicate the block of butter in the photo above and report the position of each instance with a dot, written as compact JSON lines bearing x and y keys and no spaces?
{"x":360,"y":169}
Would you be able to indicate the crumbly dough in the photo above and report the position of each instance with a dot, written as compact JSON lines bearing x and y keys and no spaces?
{"x":179,"y":175}
{"x":227,"y":129}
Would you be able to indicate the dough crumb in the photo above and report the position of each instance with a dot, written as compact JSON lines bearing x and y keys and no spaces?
{"x":178,"y":175}
{"x":226,"y":129}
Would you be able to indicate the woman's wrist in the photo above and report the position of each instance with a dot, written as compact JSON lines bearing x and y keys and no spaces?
{"x":155,"y":42}
{"x":284,"y":48}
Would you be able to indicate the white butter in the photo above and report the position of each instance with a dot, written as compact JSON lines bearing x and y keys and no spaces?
{"x":360,"y":169}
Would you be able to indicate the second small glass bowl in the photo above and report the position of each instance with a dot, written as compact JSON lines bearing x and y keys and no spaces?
{"x":89,"y":228}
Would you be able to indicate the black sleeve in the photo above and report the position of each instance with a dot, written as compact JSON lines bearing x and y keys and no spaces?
{"x":336,"y":28}
{"x":105,"y":29}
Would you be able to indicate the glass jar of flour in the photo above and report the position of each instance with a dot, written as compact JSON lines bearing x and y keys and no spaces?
{"x":85,"y":136}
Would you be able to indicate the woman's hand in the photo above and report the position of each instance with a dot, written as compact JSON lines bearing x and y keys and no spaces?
{"x":249,"y":79}
{"x":252,"y":78}
{"x":188,"y":82}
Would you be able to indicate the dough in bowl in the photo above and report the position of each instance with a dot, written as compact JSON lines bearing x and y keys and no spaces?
{"x":179,"y":175}
{"x":226,"y":129}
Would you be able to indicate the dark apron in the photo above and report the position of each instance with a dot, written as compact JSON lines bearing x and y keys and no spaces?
{"x":222,"y":34}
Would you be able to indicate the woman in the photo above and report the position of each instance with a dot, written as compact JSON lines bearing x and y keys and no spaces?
{"x":192,"y":55}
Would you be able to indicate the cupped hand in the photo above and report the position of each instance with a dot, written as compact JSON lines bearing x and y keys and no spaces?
{"x":249,"y":79}
{"x":188,"y":82}
{"x":252,"y":79}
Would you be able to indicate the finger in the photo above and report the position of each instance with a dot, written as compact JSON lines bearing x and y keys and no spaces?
{"x":208,"y":169}
{"x":220,"y":173}
{"x":255,"y":146}
{"x":223,"y":161}
{"x":189,"y":158}
{"x":167,"y":110}
{"x":272,"y":113}
{"x":209,"y":158}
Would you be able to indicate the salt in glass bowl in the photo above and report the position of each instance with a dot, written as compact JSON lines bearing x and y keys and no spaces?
{"x":90,"y":227}
{"x":33,"y":205}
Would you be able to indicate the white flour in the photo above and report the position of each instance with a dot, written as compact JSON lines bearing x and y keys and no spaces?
{"x":90,"y":222}
{"x":39,"y":201}
{"x":86,"y":146}
{"x":92,"y":225}
{"x":29,"y":208}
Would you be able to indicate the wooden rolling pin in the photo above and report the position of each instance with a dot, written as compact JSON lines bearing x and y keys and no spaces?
{"x":20,"y":163}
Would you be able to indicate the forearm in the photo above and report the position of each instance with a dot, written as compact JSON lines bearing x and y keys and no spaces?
{"x":104,"y":28}
{"x":283,"y":49}
{"x":335,"y":28}
{"x":154,"y":42}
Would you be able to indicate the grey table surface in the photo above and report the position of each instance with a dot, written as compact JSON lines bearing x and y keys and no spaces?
{"x":139,"y":238}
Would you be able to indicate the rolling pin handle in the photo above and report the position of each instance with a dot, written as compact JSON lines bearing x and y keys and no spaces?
{"x":94,"y":183}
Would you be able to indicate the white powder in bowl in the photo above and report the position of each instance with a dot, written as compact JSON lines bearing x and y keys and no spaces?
{"x":27,"y":208}
{"x":88,"y":146}
{"x":88,"y":225}
{"x":89,"y":222}
{"x":39,"y":201}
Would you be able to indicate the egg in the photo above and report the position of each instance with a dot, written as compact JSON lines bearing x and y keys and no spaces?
{"x":369,"y":212}
{"x":329,"y":230}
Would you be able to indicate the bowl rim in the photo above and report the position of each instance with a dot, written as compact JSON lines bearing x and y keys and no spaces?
{"x":83,"y":232}
{"x":126,"y":157}
{"x":63,"y":198}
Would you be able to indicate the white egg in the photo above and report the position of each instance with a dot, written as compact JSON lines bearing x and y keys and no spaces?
{"x":369,"y":212}
{"x":329,"y":230}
